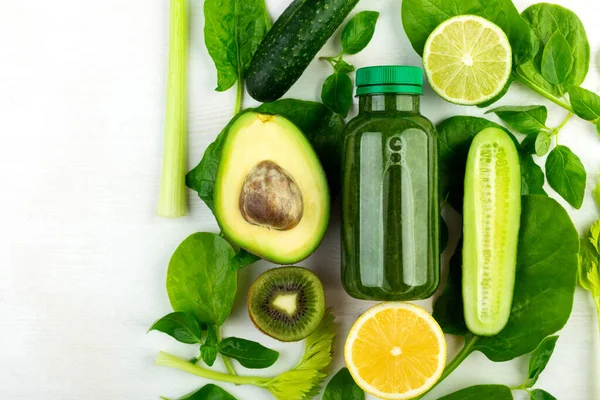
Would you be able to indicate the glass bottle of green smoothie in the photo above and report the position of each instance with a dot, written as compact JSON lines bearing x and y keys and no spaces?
{"x":390,"y":217}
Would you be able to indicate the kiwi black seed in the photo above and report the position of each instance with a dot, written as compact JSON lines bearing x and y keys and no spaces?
{"x":287,"y":303}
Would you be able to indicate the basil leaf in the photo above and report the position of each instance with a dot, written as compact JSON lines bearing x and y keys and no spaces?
{"x":181,"y":326}
{"x":208,"y":351}
{"x":524,"y":119}
{"x":448,"y":308}
{"x":208,"y":392}
{"x":359,"y":31}
{"x":479,"y":392}
{"x":544,"y":288}
{"x":543,"y":141}
{"x":242,"y":259}
{"x":421,"y":17}
{"x":532,"y":176}
{"x":199,"y":279}
{"x":545,"y":20}
{"x":586,"y":104}
{"x":566,"y":174}
{"x":233,"y":29}
{"x":557,"y":60}
{"x":343,"y":67}
{"x":337,"y":93}
{"x":545,"y":280}
{"x":539,"y":359}
{"x":539,"y":394}
{"x":343,"y":387}
{"x":248,"y":353}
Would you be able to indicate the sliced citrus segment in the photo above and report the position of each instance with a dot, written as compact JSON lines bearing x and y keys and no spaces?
{"x":467,"y":60}
{"x":395,"y":351}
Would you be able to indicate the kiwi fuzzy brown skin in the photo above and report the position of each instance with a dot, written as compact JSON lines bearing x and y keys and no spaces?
{"x":319,"y":303}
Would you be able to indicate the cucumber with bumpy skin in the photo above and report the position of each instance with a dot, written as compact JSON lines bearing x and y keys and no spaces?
{"x":291,"y":44}
{"x":492,"y":217}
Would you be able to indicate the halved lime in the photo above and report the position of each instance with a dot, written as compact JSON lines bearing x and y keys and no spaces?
{"x":467,"y":60}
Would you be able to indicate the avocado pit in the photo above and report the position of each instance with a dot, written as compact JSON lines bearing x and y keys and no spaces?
{"x":271,"y":197}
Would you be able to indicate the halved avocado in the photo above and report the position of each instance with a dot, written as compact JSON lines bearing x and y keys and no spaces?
{"x":271,"y":195}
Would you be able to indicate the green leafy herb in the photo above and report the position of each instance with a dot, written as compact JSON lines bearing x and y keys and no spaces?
{"x":598,"y":126}
{"x":300,"y":383}
{"x":479,"y":392}
{"x":533,"y":178}
{"x":528,"y":144}
{"x":596,"y":193}
{"x":343,"y":67}
{"x":200,"y":281}
{"x":359,"y":31}
{"x":539,"y":359}
{"x":208,"y":350}
{"x":343,"y":387}
{"x":233,"y":31}
{"x":248,"y":353}
{"x":585,"y":104}
{"x":337,"y":93}
{"x":543,"y":141}
{"x":548,"y":20}
{"x":181,"y":326}
{"x":588,"y":276}
{"x":539,"y":394}
{"x":242,"y":259}
{"x":172,"y":201}
{"x":208,"y":392}
{"x":524,"y":119}
{"x":421,"y":17}
{"x":557,"y":60}
{"x":566,"y":174}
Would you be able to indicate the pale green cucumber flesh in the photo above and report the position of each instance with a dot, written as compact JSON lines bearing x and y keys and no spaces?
{"x":492,"y":215}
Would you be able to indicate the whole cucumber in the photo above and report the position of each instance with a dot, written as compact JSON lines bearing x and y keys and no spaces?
{"x":294,"y":40}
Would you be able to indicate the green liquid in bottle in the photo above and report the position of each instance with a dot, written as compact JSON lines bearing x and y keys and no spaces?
{"x":390,"y":221}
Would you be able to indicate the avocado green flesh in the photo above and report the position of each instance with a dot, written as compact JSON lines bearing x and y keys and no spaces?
{"x":492,"y":212}
{"x":258,"y":225}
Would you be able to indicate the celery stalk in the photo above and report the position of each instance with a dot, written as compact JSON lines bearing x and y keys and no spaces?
{"x":172,"y":202}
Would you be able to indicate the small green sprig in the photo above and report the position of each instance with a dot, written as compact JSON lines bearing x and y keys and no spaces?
{"x":338,"y":88}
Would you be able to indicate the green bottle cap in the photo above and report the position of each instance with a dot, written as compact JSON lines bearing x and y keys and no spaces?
{"x":389,"y":79}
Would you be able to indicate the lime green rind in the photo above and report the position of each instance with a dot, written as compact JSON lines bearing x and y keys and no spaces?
{"x":488,"y":286}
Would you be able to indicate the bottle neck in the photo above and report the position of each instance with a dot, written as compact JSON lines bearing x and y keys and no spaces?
{"x":389,"y":103}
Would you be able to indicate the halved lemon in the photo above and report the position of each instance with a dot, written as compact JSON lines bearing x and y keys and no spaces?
{"x":467,"y":60}
{"x":395,"y":350}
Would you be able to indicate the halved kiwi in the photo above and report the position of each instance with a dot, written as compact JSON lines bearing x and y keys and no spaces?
{"x":287,"y":303}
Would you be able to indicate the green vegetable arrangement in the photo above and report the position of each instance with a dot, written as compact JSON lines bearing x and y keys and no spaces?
{"x":589,"y":259}
{"x":551,"y":56}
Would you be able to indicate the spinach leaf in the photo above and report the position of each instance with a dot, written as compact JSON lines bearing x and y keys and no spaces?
{"x":448,"y":308}
{"x":524,"y":119}
{"x":545,"y":280}
{"x":539,"y":394}
{"x":528,"y":144}
{"x":479,"y":392}
{"x":199,"y":279}
{"x":233,"y":30}
{"x":248,"y":353}
{"x":359,"y":31}
{"x":343,"y":387}
{"x":585,"y":103}
{"x":544,"y":288}
{"x":421,"y":17}
{"x":181,"y":326}
{"x":543,"y":141}
{"x":208,"y":392}
{"x":532,"y":176}
{"x":455,"y":136}
{"x":343,"y":67}
{"x":545,"y":20}
{"x":337,"y":93}
{"x":566,"y":174}
{"x":208,"y":350}
{"x":242,"y":259}
{"x":557,"y":60}
{"x":539,"y":359}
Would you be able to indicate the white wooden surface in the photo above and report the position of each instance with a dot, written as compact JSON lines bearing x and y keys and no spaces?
{"x":82,"y":256}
